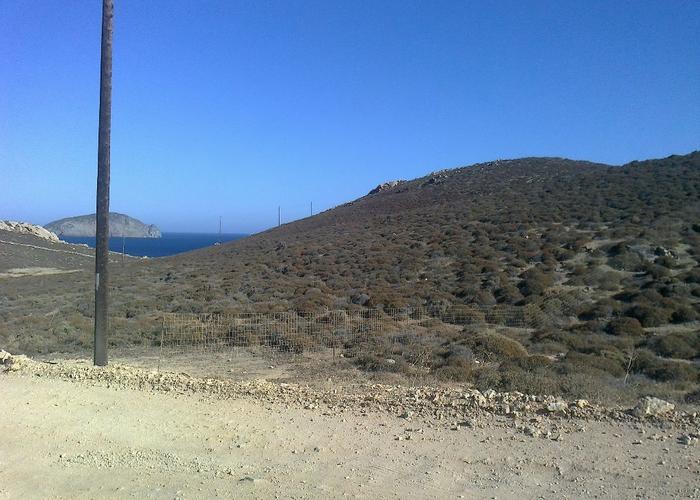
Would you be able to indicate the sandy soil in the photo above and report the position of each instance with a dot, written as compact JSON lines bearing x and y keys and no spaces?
{"x":68,"y":439}
{"x":19,"y":272}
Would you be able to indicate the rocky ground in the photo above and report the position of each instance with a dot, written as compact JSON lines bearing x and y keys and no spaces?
{"x":75,"y":431}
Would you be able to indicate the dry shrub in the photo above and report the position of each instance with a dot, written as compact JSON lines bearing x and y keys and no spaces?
{"x":649,"y":315}
{"x":625,"y":327}
{"x":534,"y":282}
{"x":623,"y":259}
{"x":677,"y":345}
{"x":603,"y":309}
{"x":533,"y":362}
{"x":491,"y":346}
{"x":588,"y":362}
{"x":457,"y":369}
{"x":684,"y":313}
{"x":692,"y":276}
{"x":664,"y":370}
{"x":597,"y":278}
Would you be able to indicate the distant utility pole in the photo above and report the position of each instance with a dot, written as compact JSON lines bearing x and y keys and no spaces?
{"x":279,"y":216}
{"x":103,"y":148}
{"x":312,"y":208}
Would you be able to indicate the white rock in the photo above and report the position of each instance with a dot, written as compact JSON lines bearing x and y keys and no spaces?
{"x":26,"y":228}
{"x":557,"y":406}
{"x":652,"y":407}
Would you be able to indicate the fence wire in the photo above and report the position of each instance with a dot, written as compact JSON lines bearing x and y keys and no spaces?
{"x":298,"y":332}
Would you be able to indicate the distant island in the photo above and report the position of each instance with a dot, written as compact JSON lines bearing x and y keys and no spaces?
{"x":119,"y":225}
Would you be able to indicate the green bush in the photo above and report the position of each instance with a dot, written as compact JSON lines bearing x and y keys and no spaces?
{"x":373,"y":363}
{"x":684,"y":313}
{"x":649,"y":315}
{"x":655,"y":271}
{"x":693,"y":397}
{"x":625,"y":327}
{"x":624,"y":260}
{"x":530,"y":363}
{"x":586,"y":362}
{"x":508,"y":294}
{"x":534,"y":282}
{"x":603,"y":309}
{"x":667,"y":262}
{"x":457,"y":369}
{"x":692,"y":276}
{"x":664,"y":370}
{"x":677,"y":345}
{"x":491,"y":346}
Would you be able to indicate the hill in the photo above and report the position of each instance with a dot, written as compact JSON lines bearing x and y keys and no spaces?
{"x":119,"y":225}
{"x":608,"y":255}
{"x":508,"y":232}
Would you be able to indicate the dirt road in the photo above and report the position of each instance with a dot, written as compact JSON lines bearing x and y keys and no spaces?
{"x":65,"y":439}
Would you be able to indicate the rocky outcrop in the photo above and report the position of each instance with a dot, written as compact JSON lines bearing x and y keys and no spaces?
{"x":385,"y":186}
{"x":26,"y":228}
{"x":119,"y":225}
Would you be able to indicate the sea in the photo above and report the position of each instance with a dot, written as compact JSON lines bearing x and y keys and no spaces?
{"x":168,"y":244}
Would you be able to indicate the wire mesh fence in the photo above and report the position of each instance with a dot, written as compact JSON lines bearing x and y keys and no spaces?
{"x":335,"y":330}
{"x":290,"y":331}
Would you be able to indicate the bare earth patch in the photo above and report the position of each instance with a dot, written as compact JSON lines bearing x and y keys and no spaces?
{"x":74,"y":431}
{"x":19,"y":272}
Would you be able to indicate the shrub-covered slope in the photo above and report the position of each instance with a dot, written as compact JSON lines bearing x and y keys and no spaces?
{"x":608,"y":255}
{"x":509,"y":232}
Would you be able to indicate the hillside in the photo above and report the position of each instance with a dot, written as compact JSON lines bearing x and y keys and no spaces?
{"x":501,"y":232}
{"x":607,"y":255}
{"x":119,"y":225}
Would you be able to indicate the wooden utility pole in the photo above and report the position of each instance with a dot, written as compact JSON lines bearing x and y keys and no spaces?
{"x":312,"y":208}
{"x":103,"y":150}
{"x":279,"y":216}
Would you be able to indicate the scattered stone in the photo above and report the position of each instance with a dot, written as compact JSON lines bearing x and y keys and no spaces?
{"x":249,"y":479}
{"x":442,"y":406}
{"x":652,"y":407}
{"x":557,"y":406}
{"x":688,"y":439}
{"x":532,"y":431}
{"x":489,"y":394}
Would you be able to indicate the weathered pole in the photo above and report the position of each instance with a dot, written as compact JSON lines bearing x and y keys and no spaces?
{"x":103,"y":150}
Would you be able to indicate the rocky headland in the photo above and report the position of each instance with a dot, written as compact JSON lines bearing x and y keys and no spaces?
{"x":119,"y":225}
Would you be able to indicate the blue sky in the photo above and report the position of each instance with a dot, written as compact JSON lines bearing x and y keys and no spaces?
{"x":232,"y":108}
